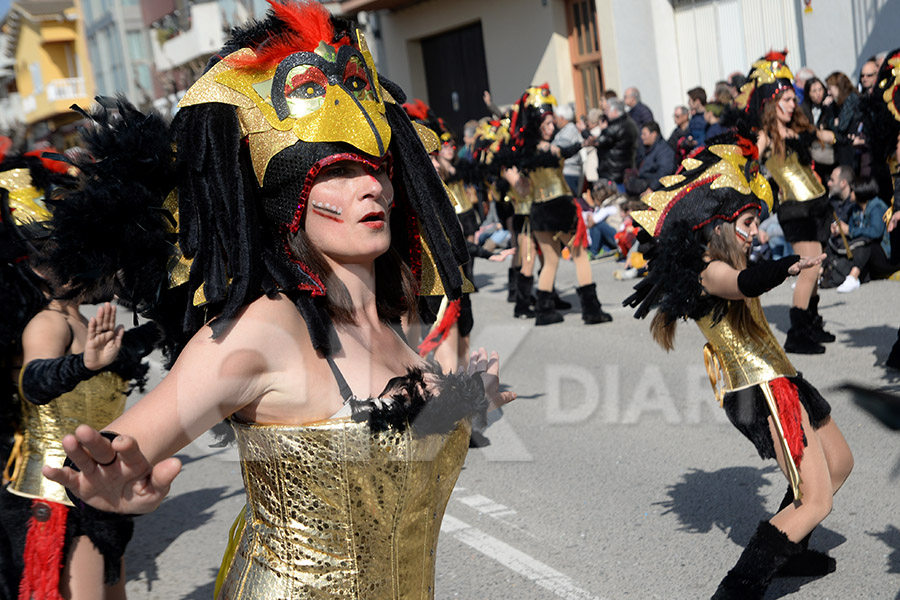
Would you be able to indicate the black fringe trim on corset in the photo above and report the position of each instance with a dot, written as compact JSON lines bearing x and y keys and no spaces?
{"x":426,"y":407}
{"x":748,"y":412}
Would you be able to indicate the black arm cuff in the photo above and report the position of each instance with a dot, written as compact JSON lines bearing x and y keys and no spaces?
{"x":477,"y":251}
{"x":48,"y":378}
{"x":136,"y":344}
{"x":757,"y":280}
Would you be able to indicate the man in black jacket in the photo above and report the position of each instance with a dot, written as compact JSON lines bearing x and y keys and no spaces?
{"x":616,"y":144}
{"x":659,"y":158}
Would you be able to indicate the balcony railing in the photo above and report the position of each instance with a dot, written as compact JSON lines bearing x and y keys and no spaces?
{"x":71,"y":88}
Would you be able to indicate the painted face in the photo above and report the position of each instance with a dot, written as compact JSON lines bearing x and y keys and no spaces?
{"x":348,"y":215}
{"x":746,"y":227}
{"x":817,"y":93}
{"x":448,"y":151}
{"x":785,"y":106}
{"x":548,"y":127}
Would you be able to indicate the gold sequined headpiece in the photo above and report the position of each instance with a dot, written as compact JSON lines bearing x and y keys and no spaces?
{"x":768,"y":76}
{"x":717,"y":183}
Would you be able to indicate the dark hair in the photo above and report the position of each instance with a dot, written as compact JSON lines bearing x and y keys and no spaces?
{"x":651,"y":126}
{"x":844,"y":86}
{"x":697,"y":93}
{"x":799,"y":122}
{"x":807,"y":87}
{"x":395,"y":285}
{"x":610,"y":94}
{"x":864,"y":189}
{"x":737,"y":80}
{"x":847,"y":174}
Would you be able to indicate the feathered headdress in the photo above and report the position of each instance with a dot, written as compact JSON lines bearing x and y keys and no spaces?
{"x":284,"y":98}
{"x":717,"y":183}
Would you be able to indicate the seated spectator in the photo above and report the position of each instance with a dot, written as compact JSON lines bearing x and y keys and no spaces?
{"x":626,"y":238}
{"x":771,"y":234}
{"x":659,"y":158}
{"x":865,"y":231}
{"x":697,"y":124}
{"x":597,"y":208}
{"x":681,"y":116}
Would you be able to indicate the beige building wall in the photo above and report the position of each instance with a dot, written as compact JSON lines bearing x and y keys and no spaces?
{"x":524,"y":43}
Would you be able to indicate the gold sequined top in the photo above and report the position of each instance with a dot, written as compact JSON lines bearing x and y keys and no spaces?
{"x":743,"y":360}
{"x":521,"y":204}
{"x":97,"y":402}
{"x":798,"y":182}
{"x":337,"y":511}
{"x":460,"y":196}
{"x":548,"y":183}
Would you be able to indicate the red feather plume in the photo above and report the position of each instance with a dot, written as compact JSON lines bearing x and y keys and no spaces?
{"x":416,"y":109}
{"x":780,"y":56}
{"x":308,"y":23}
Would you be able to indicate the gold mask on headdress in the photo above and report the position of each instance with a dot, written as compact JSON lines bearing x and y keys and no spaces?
{"x":330,"y":95}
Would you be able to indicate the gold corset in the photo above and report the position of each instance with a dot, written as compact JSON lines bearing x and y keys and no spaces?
{"x":521,"y":204}
{"x":548,"y":183}
{"x":798,"y":182}
{"x":742,"y":360}
{"x":97,"y":402}
{"x":336,"y":511}
{"x":459,"y":195}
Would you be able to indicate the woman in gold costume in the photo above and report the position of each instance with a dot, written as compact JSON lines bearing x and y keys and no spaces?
{"x":784,"y":141}
{"x":68,"y":371}
{"x":703,"y":221}
{"x":554,"y":217}
{"x":304,"y":217}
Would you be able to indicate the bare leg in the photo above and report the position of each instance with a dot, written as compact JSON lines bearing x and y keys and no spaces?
{"x":526,"y":254}
{"x":462,"y":351}
{"x":581,"y":259}
{"x":799,"y":518}
{"x":448,"y":350}
{"x":82,"y":577}
{"x":551,"y":251}
{"x":808,"y":278}
{"x":837,"y":453}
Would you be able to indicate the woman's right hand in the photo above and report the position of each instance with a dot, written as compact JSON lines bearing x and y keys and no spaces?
{"x":113,"y":476}
{"x":806,"y":262}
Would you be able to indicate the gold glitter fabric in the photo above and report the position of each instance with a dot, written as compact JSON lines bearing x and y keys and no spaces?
{"x":743,"y":360}
{"x":337,"y":511}
{"x":798,"y":181}
{"x":548,"y":183}
{"x":26,"y":203}
{"x":459,"y":196}
{"x":97,"y":402}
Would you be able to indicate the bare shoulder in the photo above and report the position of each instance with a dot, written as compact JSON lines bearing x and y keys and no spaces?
{"x":47,"y":335}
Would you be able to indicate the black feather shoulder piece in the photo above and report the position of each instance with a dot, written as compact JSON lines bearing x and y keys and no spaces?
{"x":672,"y":283}
{"x":112,"y":235}
{"x":426,"y":401}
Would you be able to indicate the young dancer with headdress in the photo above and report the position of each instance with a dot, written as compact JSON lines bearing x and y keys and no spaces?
{"x":307,"y":214}
{"x":63,"y":370}
{"x":702,"y":222}
{"x":784,"y":140}
{"x":554,"y":215}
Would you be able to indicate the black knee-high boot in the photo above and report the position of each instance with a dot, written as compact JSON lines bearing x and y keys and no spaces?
{"x":799,"y":339}
{"x":591,"y":310}
{"x":816,"y":324}
{"x":511,"y":284}
{"x":523,"y":306}
{"x":544,"y":312}
{"x":808,"y":563}
{"x":893,"y":359}
{"x":767,"y":551}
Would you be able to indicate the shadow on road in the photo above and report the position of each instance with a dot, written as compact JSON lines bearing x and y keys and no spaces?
{"x":891,"y":538}
{"x":153,"y":533}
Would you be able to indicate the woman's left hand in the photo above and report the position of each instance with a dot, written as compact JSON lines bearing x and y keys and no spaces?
{"x":806,"y":262}
{"x":104,"y":338}
{"x":488,"y":367}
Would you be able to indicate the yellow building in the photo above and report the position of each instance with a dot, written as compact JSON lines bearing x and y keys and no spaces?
{"x":51,"y":68}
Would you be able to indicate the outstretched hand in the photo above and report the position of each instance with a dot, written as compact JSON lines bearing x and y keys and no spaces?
{"x":488,"y":367}
{"x":806,"y":262}
{"x":104,"y":338}
{"x":114,"y":475}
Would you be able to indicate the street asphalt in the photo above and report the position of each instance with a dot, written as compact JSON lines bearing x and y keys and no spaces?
{"x":613,"y":475}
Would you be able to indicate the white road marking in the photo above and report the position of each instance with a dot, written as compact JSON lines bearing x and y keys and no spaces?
{"x":515,"y":560}
{"x":487,"y":506}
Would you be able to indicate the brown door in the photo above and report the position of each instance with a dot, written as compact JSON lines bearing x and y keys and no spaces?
{"x":584,"y":48}
{"x":456,"y":76}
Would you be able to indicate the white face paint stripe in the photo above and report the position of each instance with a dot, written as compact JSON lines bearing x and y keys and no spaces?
{"x":515,"y":560}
